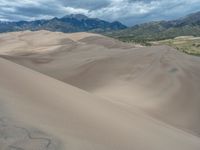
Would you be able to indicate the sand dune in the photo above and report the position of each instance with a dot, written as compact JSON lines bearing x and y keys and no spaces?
{"x":137,"y":98}
{"x":27,"y":42}
{"x":73,"y":119}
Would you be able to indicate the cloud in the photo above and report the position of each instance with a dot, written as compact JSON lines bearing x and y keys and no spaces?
{"x":127,"y":11}
{"x":71,"y":10}
{"x":124,"y":8}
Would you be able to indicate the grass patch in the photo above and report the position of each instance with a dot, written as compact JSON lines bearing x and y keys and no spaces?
{"x":186,"y":44}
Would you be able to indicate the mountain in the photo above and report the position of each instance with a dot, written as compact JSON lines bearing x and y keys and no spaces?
{"x":188,"y":25}
{"x":67,"y":24}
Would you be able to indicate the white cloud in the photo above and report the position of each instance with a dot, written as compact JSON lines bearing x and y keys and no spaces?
{"x":123,"y":8}
{"x":17,"y":3}
{"x":8,"y":9}
{"x":71,"y":10}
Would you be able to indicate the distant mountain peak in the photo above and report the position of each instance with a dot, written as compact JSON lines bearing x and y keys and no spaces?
{"x":76,"y":16}
{"x":67,"y":24}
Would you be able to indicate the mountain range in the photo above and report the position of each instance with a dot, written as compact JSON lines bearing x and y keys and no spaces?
{"x":159,"y":30}
{"x":151,"y":31}
{"x":67,"y":24}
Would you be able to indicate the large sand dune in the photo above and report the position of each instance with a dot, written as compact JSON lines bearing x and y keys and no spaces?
{"x":137,"y":98}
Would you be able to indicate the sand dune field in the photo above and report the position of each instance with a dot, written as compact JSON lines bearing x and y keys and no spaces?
{"x":84,"y":91}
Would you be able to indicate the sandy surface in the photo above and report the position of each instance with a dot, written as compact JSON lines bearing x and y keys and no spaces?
{"x":121,"y":97}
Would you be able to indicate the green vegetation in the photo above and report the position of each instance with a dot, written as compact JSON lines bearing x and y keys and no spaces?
{"x":155,"y":31}
{"x":187,"y":44}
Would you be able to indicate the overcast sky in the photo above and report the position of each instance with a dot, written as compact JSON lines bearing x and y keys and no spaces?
{"x":129,"y":12}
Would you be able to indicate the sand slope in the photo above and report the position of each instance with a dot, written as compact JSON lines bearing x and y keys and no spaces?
{"x":127,"y":87}
{"x":74,"y":119}
{"x":160,"y":80}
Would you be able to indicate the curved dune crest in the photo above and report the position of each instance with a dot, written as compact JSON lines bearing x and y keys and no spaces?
{"x":117,"y":93}
{"x":79,"y":119}
{"x":160,"y":80}
{"x":28,"y":42}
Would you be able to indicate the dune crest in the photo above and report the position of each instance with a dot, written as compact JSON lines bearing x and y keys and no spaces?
{"x":119,"y":98}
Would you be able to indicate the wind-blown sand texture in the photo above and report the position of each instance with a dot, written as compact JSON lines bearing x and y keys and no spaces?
{"x":74,"y":92}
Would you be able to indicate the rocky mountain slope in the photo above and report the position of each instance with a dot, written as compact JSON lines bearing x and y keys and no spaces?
{"x":69,"y":23}
{"x":159,"y":30}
